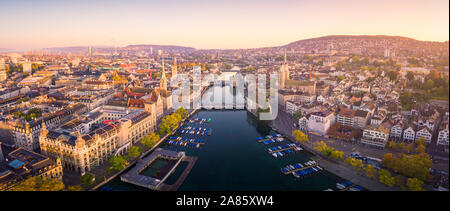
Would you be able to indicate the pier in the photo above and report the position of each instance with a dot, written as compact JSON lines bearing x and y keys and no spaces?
{"x":299,"y":169}
{"x":282,"y":148}
{"x":348,"y":187}
{"x":269,"y":137}
{"x":134,"y":177}
{"x":180,"y":180}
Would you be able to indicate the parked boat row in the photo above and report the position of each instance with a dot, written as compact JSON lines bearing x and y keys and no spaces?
{"x":268,"y":137}
{"x":181,"y":143}
{"x":196,"y":131}
{"x":306,"y":171}
{"x":270,"y":141}
{"x":347,"y":185}
{"x":284,"y":147}
{"x":188,"y":140}
{"x":286,"y":152}
{"x":201,"y":120}
{"x":298,"y":166}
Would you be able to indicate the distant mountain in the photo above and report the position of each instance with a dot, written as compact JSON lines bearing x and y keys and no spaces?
{"x":3,"y":50}
{"x":77,"y":48}
{"x":158,"y":47}
{"x":367,"y":44}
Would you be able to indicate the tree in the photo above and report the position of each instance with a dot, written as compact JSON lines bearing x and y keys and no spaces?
{"x":182,"y":112}
{"x":169,"y":123}
{"x":38,"y":183}
{"x":297,"y":115}
{"x":410,"y":148}
{"x":337,"y":154}
{"x":371,"y":172}
{"x":391,"y":144}
{"x":150,"y":140}
{"x":410,"y":76}
{"x":117,"y":163}
{"x":87,"y":179}
{"x":300,"y":136}
{"x":400,"y":181}
{"x":385,"y":177}
{"x":428,"y":85}
{"x":414,"y":184}
{"x":134,"y":152}
{"x":406,"y":99}
{"x":74,"y":188}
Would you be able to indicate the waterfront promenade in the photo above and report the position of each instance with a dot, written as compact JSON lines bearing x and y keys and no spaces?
{"x":284,"y":125}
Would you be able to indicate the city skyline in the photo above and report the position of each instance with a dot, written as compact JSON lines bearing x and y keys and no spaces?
{"x":230,"y":24}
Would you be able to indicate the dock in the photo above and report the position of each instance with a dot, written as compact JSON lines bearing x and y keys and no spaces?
{"x":299,"y":169}
{"x":282,"y":148}
{"x":269,"y":137}
{"x":180,"y":180}
{"x":134,"y":177}
{"x":348,"y":187}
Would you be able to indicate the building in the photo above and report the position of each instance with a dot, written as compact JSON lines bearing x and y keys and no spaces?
{"x":346,"y":116}
{"x":292,"y":106}
{"x":26,"y":134}
{"x":174,"y":68}
{"x":397,"y":130}
{"x":81,"y":153}
{"x":23,"y":163}
{"x":27,"y":67}
{"x":376,"y":136}
{"x":320,"y":122}
{"x":443,"y":136}
{"x":424,"y":132}
{"x":409,"y":133}
{"x":303,"y":123}
{"x":360,"y":119}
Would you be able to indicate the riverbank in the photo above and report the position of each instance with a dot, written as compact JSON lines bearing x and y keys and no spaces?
{"x":132,"y":163}
{"x":337,"y":167}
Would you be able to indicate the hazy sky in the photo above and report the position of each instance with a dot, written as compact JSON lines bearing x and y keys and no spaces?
{"x":213,"y":23}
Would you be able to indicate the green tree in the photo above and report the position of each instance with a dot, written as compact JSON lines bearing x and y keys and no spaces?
{"x":428,"y":85}
{"x":371,"y":172}
{"x":86,"y":180}
{"x":297,"y":115}
{"x":38,"y":183}
{"x":150,"y":140}
{"x":182,"y":112}
{"x":337,"y":155}
{"x":300,"y":136}
{"x":414,"y":184}
{"x":410,"y":76}
{"x":400,"y":181}
{"x":74,"y":188}
{"x":385,"y":177}
{"x":117,"y":163}
{"x":134,"y":152}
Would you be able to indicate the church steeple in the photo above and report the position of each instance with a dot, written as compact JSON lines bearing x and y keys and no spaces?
{"x":174,"y":67}
{"x":163,"y":81}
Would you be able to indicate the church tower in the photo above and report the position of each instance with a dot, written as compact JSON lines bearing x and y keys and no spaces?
{"x":163,"y":81}
{"x":286,"y":67}
{"x":174,"y":67}
{"x":281,"y":77}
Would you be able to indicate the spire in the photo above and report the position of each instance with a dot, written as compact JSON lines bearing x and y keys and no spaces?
{"x":163,"y":81}
{"x":285,"y":57}
{"x":174,"y":67}
{"x":163,"y":73}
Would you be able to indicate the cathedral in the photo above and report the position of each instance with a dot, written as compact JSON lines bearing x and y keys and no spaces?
{"x":284,"y":82}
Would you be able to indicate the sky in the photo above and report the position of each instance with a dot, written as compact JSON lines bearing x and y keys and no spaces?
{"x":206,"y":24}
